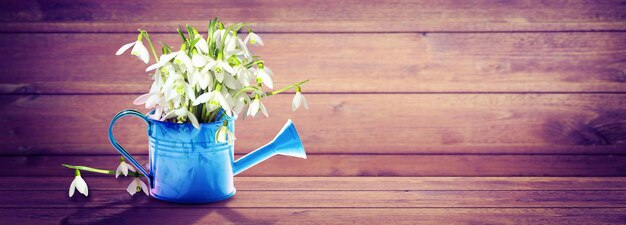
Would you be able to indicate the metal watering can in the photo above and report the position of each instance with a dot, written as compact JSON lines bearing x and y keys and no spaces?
{"x":188,"y":166}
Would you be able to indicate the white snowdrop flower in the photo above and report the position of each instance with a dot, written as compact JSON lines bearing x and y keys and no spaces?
{"x":243,"y":75}
{"x":78,"y":184}
{"x":138,"y":50}
{"x":204,"y":79}
{"x":183,"y":61}
{"x":158,"y":113}
{"x":221,"y":67}
{"x":224,"y":135}
{"x":137,"y":185}
{"x":151,"y":98}
{"x":240,"y":103}
{"x":257,"y":106}
{"x":123,"y":168}
{"x":183,"y":112}
{"x":253,"y":39}
{"x":298,"y":99}
{"x":265,"y":77}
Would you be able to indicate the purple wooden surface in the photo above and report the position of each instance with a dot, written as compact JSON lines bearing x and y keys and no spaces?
{"x":499,"y":61}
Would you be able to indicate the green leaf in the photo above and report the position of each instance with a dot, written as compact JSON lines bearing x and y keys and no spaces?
{"x":182,"y":35}
{"x":190,"y":31}
{"x":166,"y":48}
{"x":210,"y":37}
{"x":193,"y":43}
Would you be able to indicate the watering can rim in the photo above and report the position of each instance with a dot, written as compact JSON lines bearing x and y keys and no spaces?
{"x":218,"y":123}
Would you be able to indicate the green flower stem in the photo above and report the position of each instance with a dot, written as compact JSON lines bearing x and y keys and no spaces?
{"x":248,"y":88}
{"x":95,"y":170}
{"x":286,"y":88}
{"x":145,"y":34}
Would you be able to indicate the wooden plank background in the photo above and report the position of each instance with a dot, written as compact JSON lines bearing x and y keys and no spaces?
{"x":473,"y":112}
{"x":400,"y":88}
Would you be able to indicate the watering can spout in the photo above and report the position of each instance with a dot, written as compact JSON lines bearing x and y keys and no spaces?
{"x":287,"y":142}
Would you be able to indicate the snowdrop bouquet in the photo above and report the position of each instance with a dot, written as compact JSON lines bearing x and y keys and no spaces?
{"x":204,"y":80}
{"x":207,"y":78}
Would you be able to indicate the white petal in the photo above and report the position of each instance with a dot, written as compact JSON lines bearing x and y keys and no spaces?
{"x":124,"y":168}
{"x":203,"y":98}
{"x":155,"y":66}
{"x":182,"y":58}
{"x":219,"y":77}
{"x":263,"y":110}
{"x":306,"y":105}
{"x":181,"y":111}
{"x":130,"y":167}
{"x":157,"y":116}
{"x":202,"y":45}
{"x":210,"y":65}
{"x":152,"y":101}
{"x":167,"y":57}
{"x":198,"y":60}
{"x":81,"y":186}
{"x":144,"y":187}
{"x":220,"y":99}
{"x":124,"y":48}
{"x":254,"y":108}
{"x":204,"y":79}
{"x":119,"y":169}
{"x":245,"y":41}
{"x":142,"y":99}
{"x":72,"y":187}
{"x":170,"y":114}
{"x":246,"y":51}
{"x":193,"y":120}
{"x":227,"y":67}
{"x":141,"y":52}
{"x":230,"y":82}
{"x":231,"y":137}
{"x":256,"y":38}
{"x":267,"y":80}
{"x":191,"y":94}
{"x":221,"y":136}
{"x":297,"y":101}
{"x":132,"y":187}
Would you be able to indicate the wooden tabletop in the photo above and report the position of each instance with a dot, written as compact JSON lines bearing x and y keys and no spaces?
{"x":328,"y":200}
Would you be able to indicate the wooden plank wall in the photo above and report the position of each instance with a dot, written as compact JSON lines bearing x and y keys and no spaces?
{"x":398,"y":88}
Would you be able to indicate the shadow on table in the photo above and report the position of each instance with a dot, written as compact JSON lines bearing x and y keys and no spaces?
{"x":141,"y":209}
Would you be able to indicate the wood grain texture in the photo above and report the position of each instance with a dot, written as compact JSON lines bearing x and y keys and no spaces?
{"x":326,"y":200}
{"x":349,"y":183}
{"x":345,"y":124}
{"x":447,"y":62}
{"x":361,"y":165}
{"x":315,"y":16}
{"x":193,"y":215}
{"x":332,"y":199}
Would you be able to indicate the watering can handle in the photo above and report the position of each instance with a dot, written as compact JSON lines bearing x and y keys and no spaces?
{"x":120,"y":148}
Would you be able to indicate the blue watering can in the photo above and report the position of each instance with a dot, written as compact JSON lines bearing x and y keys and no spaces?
{"x":188,"y":166}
